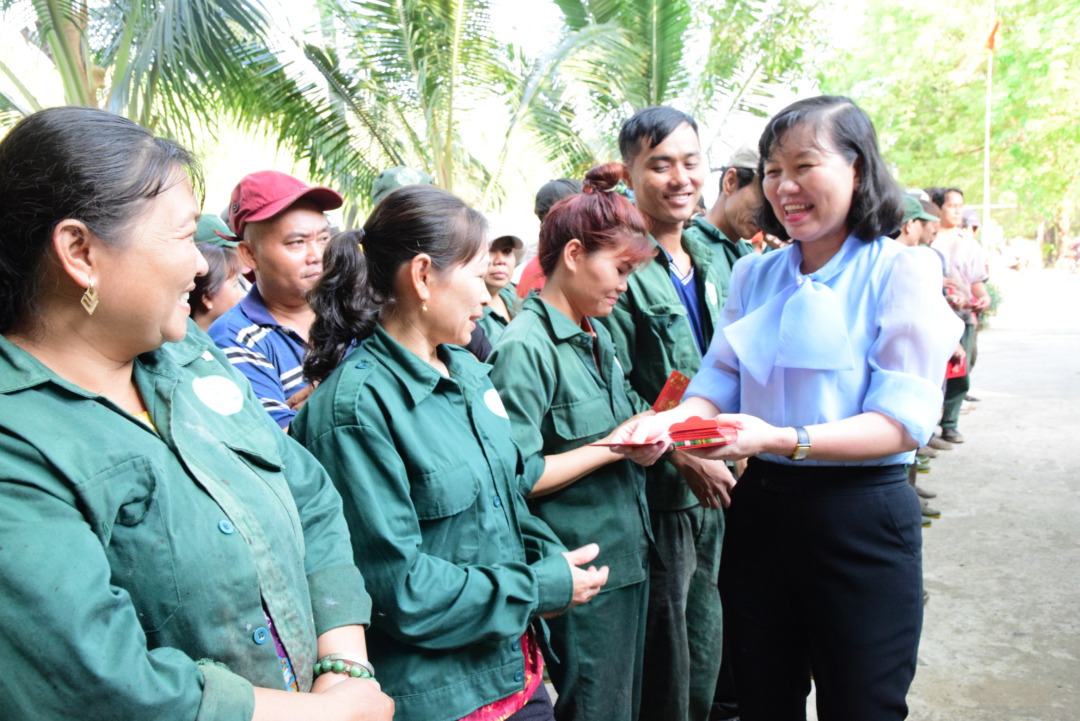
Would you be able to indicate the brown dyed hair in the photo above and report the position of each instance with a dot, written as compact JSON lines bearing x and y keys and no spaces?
{"x":599,"y":217}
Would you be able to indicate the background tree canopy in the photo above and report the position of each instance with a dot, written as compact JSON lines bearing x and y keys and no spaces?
{"x":441,"y":85}
{"x":906,"y":68}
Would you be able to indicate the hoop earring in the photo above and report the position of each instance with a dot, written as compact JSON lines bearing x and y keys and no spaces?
{"x":90,"y":299}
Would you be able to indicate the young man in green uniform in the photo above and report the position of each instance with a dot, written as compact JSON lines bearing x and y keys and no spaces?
{"x":662,"y":323}
{"x":730,"y":222}
{"x":725,"y":228}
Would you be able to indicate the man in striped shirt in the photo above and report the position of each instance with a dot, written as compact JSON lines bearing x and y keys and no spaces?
{"x":282,"y":231}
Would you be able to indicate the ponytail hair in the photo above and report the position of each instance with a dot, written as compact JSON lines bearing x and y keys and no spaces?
{"x":360,"y":266}
{"x":599,"y":217}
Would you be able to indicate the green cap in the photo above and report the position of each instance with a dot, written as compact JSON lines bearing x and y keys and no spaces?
{"x":212,"y":229}
{"x":913,"y":210}
{"x":394,"y":178}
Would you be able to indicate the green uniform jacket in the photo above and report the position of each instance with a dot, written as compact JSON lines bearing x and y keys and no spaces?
{"x":134,"y":565}
{"x":725,"y":252}
{"x":558,"y":400}
{"x":653,"y":337}
{"x":493,"y":323}
{"x":432,"y":482}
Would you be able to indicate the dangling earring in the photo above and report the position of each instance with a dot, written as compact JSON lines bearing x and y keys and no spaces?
{"x":423,"y":306}
{"x":89,"y":299}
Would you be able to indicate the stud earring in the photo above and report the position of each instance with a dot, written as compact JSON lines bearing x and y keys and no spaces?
{"x":90,"y":299}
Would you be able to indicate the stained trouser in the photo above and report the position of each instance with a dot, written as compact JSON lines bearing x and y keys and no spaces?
{"x":683,"y":634}
{"x":956,"y":388}
{"x":822,"y":574}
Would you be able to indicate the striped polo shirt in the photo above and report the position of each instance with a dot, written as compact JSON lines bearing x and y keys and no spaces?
{"x":269,"y":354}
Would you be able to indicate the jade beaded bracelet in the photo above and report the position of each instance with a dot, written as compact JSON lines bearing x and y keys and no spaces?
{"x":336,"y":663}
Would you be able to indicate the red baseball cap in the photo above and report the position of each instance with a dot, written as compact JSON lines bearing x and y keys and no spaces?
{"x":262,"y":195}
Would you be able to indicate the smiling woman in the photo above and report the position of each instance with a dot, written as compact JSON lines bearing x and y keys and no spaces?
{"x":419,"y":444}
{"x":118,"y":422}
{"x":829,"y":358}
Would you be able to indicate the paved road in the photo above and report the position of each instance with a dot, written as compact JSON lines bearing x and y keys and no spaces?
{"x":1002,"y":631}
{"x":1002,"y":564}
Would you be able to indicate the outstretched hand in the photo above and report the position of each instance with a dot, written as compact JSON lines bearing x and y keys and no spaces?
{"x":644,"y":455}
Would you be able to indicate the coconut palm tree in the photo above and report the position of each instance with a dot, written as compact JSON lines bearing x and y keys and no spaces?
{"x":170,"y":65}
{"x":406,"y":76}
{"x":715,"y":60}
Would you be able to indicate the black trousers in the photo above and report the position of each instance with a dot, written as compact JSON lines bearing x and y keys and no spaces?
{"x":822,"y":575}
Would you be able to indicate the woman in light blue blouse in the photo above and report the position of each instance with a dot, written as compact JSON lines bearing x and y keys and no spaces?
{"x":829,"y":358}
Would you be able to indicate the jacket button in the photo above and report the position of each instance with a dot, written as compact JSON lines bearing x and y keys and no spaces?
{"x":226,"y":527}
{"x":362,"y":365}
{"x":519,"y":675}
{"x":260,"y":636}
{"x":516,"y":645}
{"x":497,"y":502}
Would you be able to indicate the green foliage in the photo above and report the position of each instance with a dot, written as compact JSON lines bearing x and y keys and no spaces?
{"x":713,"y":60}
{"x":902,"y":70}
{"x":405,"y":75}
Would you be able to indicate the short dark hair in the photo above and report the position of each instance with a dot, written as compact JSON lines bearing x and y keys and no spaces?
{"x":652,"y":125}
{"x":937,"y":195}
{"x":598,"y":217}
{"x":356,"y":282}
{"x":79,"y":163}
{"x":877,"y":201}
{"x":743,"y":176}
{"x":552,"y":192}
{"x":221,"y":263}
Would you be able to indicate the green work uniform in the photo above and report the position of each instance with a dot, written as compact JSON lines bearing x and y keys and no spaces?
{"x":492,"y":323}
{"x":725,"y":252}
{"x":564,"y":388}
{"x":138,"y":566}
{"x":433,"y":487}
{"x":683,"y":634}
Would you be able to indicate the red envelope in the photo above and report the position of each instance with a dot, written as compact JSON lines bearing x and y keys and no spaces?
{"x":672,"y":392}
{"x":956,"y":370}
{"x":697,"y":432}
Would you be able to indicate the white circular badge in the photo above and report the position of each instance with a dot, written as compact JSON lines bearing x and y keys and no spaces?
{"x":494,"y":403}
{"x":219,"y":394}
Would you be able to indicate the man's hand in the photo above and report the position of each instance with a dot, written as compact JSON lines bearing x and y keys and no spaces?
{"x":710,"y":481}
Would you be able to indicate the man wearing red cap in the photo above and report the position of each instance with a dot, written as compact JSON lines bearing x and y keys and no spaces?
{"x":282,"y":232}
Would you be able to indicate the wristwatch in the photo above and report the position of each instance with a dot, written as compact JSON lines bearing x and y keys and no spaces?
{"x":802,"y":445}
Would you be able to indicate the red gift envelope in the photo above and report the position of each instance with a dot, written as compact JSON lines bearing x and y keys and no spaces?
{"x":672,"y":392}
{"x":697,"y":432}
{"x":956,"y":370}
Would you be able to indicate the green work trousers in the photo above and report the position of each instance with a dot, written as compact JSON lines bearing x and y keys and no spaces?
{"x":684,"y":628}
{"x":600,"y":646}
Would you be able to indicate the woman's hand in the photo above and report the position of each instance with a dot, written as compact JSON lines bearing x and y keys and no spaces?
{"x":356,"y":699}
{"x":648,"y":427}
{"x":587,"y":581}
{"x":644,"y":455}
{"x":341,"y":699}
{"x":755,"y":437}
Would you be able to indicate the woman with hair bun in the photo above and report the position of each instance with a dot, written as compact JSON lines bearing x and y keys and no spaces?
{"x":418,"y":443}
{"x":563,"y":387}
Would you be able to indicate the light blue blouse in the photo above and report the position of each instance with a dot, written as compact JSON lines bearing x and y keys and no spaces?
{"x":869,"y":331}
